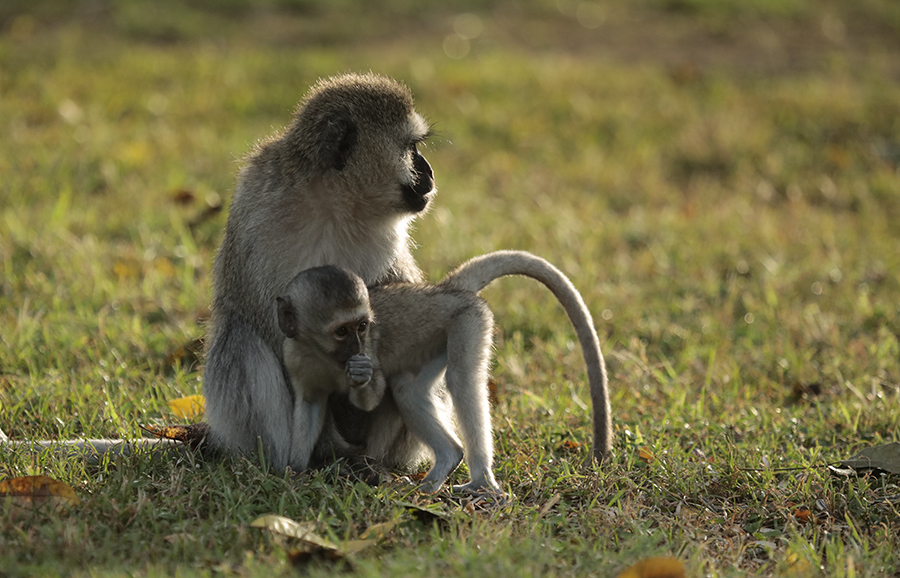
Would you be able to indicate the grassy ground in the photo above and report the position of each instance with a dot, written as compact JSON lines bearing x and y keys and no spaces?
{"x":719,"y":178}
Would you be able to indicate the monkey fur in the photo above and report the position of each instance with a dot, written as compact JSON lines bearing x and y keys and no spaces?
{"x":339,"y":186}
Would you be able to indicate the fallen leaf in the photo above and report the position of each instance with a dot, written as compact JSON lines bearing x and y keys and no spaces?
{"x":188,"y":407}
{"x":287,"y":527}
{"x":659,"y":567}
{"x":305,"y":532}
{"x":425,"y":516}
{"x":845,"y":472}
{"x":37,"y":487}
{"x":884,"y":458}
{"x":380,"y":531}
{"x":27,"y":494}
{"x":804,"y":516}
{"x":193,"y":434}
{"x":644,"y":454}
{"x":183,"y":197}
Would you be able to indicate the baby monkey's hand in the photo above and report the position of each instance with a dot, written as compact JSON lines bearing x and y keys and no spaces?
{"x":360,"y":369}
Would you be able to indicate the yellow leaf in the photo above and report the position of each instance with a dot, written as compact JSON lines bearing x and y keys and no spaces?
{"x":659,"y":567}
{"x":37,"y":486}
{"x":645,"y":455}
{"x":24,"y":495}
{"x":188,"y":407}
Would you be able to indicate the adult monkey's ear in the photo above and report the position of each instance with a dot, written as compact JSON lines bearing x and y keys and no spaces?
{"x":287,"y":318}
{"x":337,"y":140}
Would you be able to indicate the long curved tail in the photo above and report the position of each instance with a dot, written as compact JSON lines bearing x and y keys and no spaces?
{"x":478,"y":272}
{"x":93,"y":450}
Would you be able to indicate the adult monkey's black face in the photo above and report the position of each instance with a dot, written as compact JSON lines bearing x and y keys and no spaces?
{"x":417,"y":195}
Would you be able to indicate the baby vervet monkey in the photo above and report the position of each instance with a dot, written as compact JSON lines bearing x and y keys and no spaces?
{"x":327,"y":324}
{"x":418,"y":333}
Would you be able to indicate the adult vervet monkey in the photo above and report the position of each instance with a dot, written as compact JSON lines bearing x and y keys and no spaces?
{"x":339,"y":185}
{"x":408,"y":334}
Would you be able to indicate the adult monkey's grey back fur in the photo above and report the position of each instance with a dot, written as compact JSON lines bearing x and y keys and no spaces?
{"x":338,"y":186}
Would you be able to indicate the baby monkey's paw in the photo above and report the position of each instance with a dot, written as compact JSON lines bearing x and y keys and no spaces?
{"x":360,"y":369}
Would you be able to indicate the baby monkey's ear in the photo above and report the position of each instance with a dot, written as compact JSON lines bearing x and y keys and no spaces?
{"x":287,"y":317}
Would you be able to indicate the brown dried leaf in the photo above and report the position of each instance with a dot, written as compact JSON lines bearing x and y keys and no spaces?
{"x":645,"y":455}
{"x":183,"y":197}
{"x":193,"y":434}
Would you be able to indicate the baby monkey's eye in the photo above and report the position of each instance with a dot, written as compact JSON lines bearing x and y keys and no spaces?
{"x":341,"y":331}
{"x":363,"y":325}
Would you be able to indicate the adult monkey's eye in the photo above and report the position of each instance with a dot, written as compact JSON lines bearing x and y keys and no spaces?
{"x":341,"y":331}
{"x":363,"y":325}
